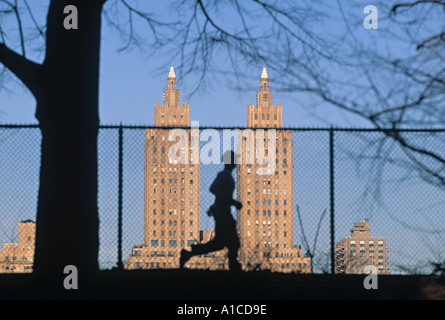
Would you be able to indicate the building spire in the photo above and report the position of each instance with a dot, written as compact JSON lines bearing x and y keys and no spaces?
{"x":264,"y":74}
{"x":171,"y":80}
{"x":171,"y":74}
{"x":264,"y":80}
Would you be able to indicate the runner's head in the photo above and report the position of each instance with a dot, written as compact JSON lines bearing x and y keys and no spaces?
{"x":230,"y":159}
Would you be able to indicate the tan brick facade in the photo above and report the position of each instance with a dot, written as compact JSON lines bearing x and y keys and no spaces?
{"x":171,"y":191}
{"x":359,"y":250}
{"x":265,"y":222}
{"x":19,"y":257}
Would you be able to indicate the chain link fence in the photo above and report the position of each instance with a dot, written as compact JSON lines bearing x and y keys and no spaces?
{"x":299,"y":217}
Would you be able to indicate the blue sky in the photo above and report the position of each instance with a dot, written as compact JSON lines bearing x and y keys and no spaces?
{"x":131,"y":83}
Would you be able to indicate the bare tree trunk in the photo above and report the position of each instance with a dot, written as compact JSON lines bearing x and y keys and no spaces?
{"x":67,"y":223}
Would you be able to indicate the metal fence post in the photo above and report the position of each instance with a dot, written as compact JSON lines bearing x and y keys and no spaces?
{"x":331,"y":193}
{"x":119,"y":212}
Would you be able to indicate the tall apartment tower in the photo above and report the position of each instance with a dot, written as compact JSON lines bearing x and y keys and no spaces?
{"x":360,"y":250}
{"x":171,"y":188}
{"x":265,"y":188}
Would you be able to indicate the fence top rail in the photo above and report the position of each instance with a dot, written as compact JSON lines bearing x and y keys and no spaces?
{"x":326,"y":129}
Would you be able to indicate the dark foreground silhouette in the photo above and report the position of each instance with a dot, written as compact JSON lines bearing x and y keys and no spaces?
{"x":225,"y":226}
{"x":186,"y":284}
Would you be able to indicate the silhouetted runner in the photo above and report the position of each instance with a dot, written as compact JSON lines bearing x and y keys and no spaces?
{"x":225,"y":226}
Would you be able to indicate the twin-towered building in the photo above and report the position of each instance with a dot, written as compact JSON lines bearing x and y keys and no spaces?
{"x":171,"y":194}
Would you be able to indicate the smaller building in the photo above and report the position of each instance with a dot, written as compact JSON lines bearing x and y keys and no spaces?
{"x":19,"y":257}
{"x":360,"y":250}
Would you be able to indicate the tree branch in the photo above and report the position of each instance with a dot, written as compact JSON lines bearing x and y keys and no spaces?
{"x":26,"y":70}
{"x":415,"y":3}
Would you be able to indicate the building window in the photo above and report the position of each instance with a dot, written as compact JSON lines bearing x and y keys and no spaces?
{"x":154,"y":243}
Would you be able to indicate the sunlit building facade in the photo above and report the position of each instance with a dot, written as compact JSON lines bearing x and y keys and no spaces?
{"x":360,"y":250}
{"x":19,"y":257}
{"x":265,"y":188}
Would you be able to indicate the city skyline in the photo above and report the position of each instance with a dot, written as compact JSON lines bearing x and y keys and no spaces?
{"x":310,"y":182}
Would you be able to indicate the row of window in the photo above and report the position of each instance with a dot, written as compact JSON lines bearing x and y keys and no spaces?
{"x":269,"y":234}
{"x":269,"y":254}
{"x":257,"y":161}
{"x":172,"y":222}
{"x":268,"y":223}
{"x":266,"y":202}
{"x":371,"y":254}
{"x":171,"y":170}
{"x":206,"y":265}
{"x":192,"y":138}
{"x":25,"y":248}
{"x":173,"y":201}
{"x":171,"y":243}
{"x":268,"y":244}
{"x":7,"y":268}
{"x":172,"y":233}
{"x":173,"y":191}
{"x":370,"y":242}
{"x":265,"y":116}
{"x":171,"y":160}
{"x":267,"y":181}
{"x":14,"y":258}
{"x":154,"y":265}
{"x":266,"y":150}
{"x":172,"y":181}
{"x":171,"y":212}
{"x":171,"y":115}
{"x":268,"y":213}
{"x":267,"y":191}
{"x":276,"y":172}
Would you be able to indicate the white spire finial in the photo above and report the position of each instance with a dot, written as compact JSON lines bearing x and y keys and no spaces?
{"x":171,"y":74}
{"x":264,"y":74}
